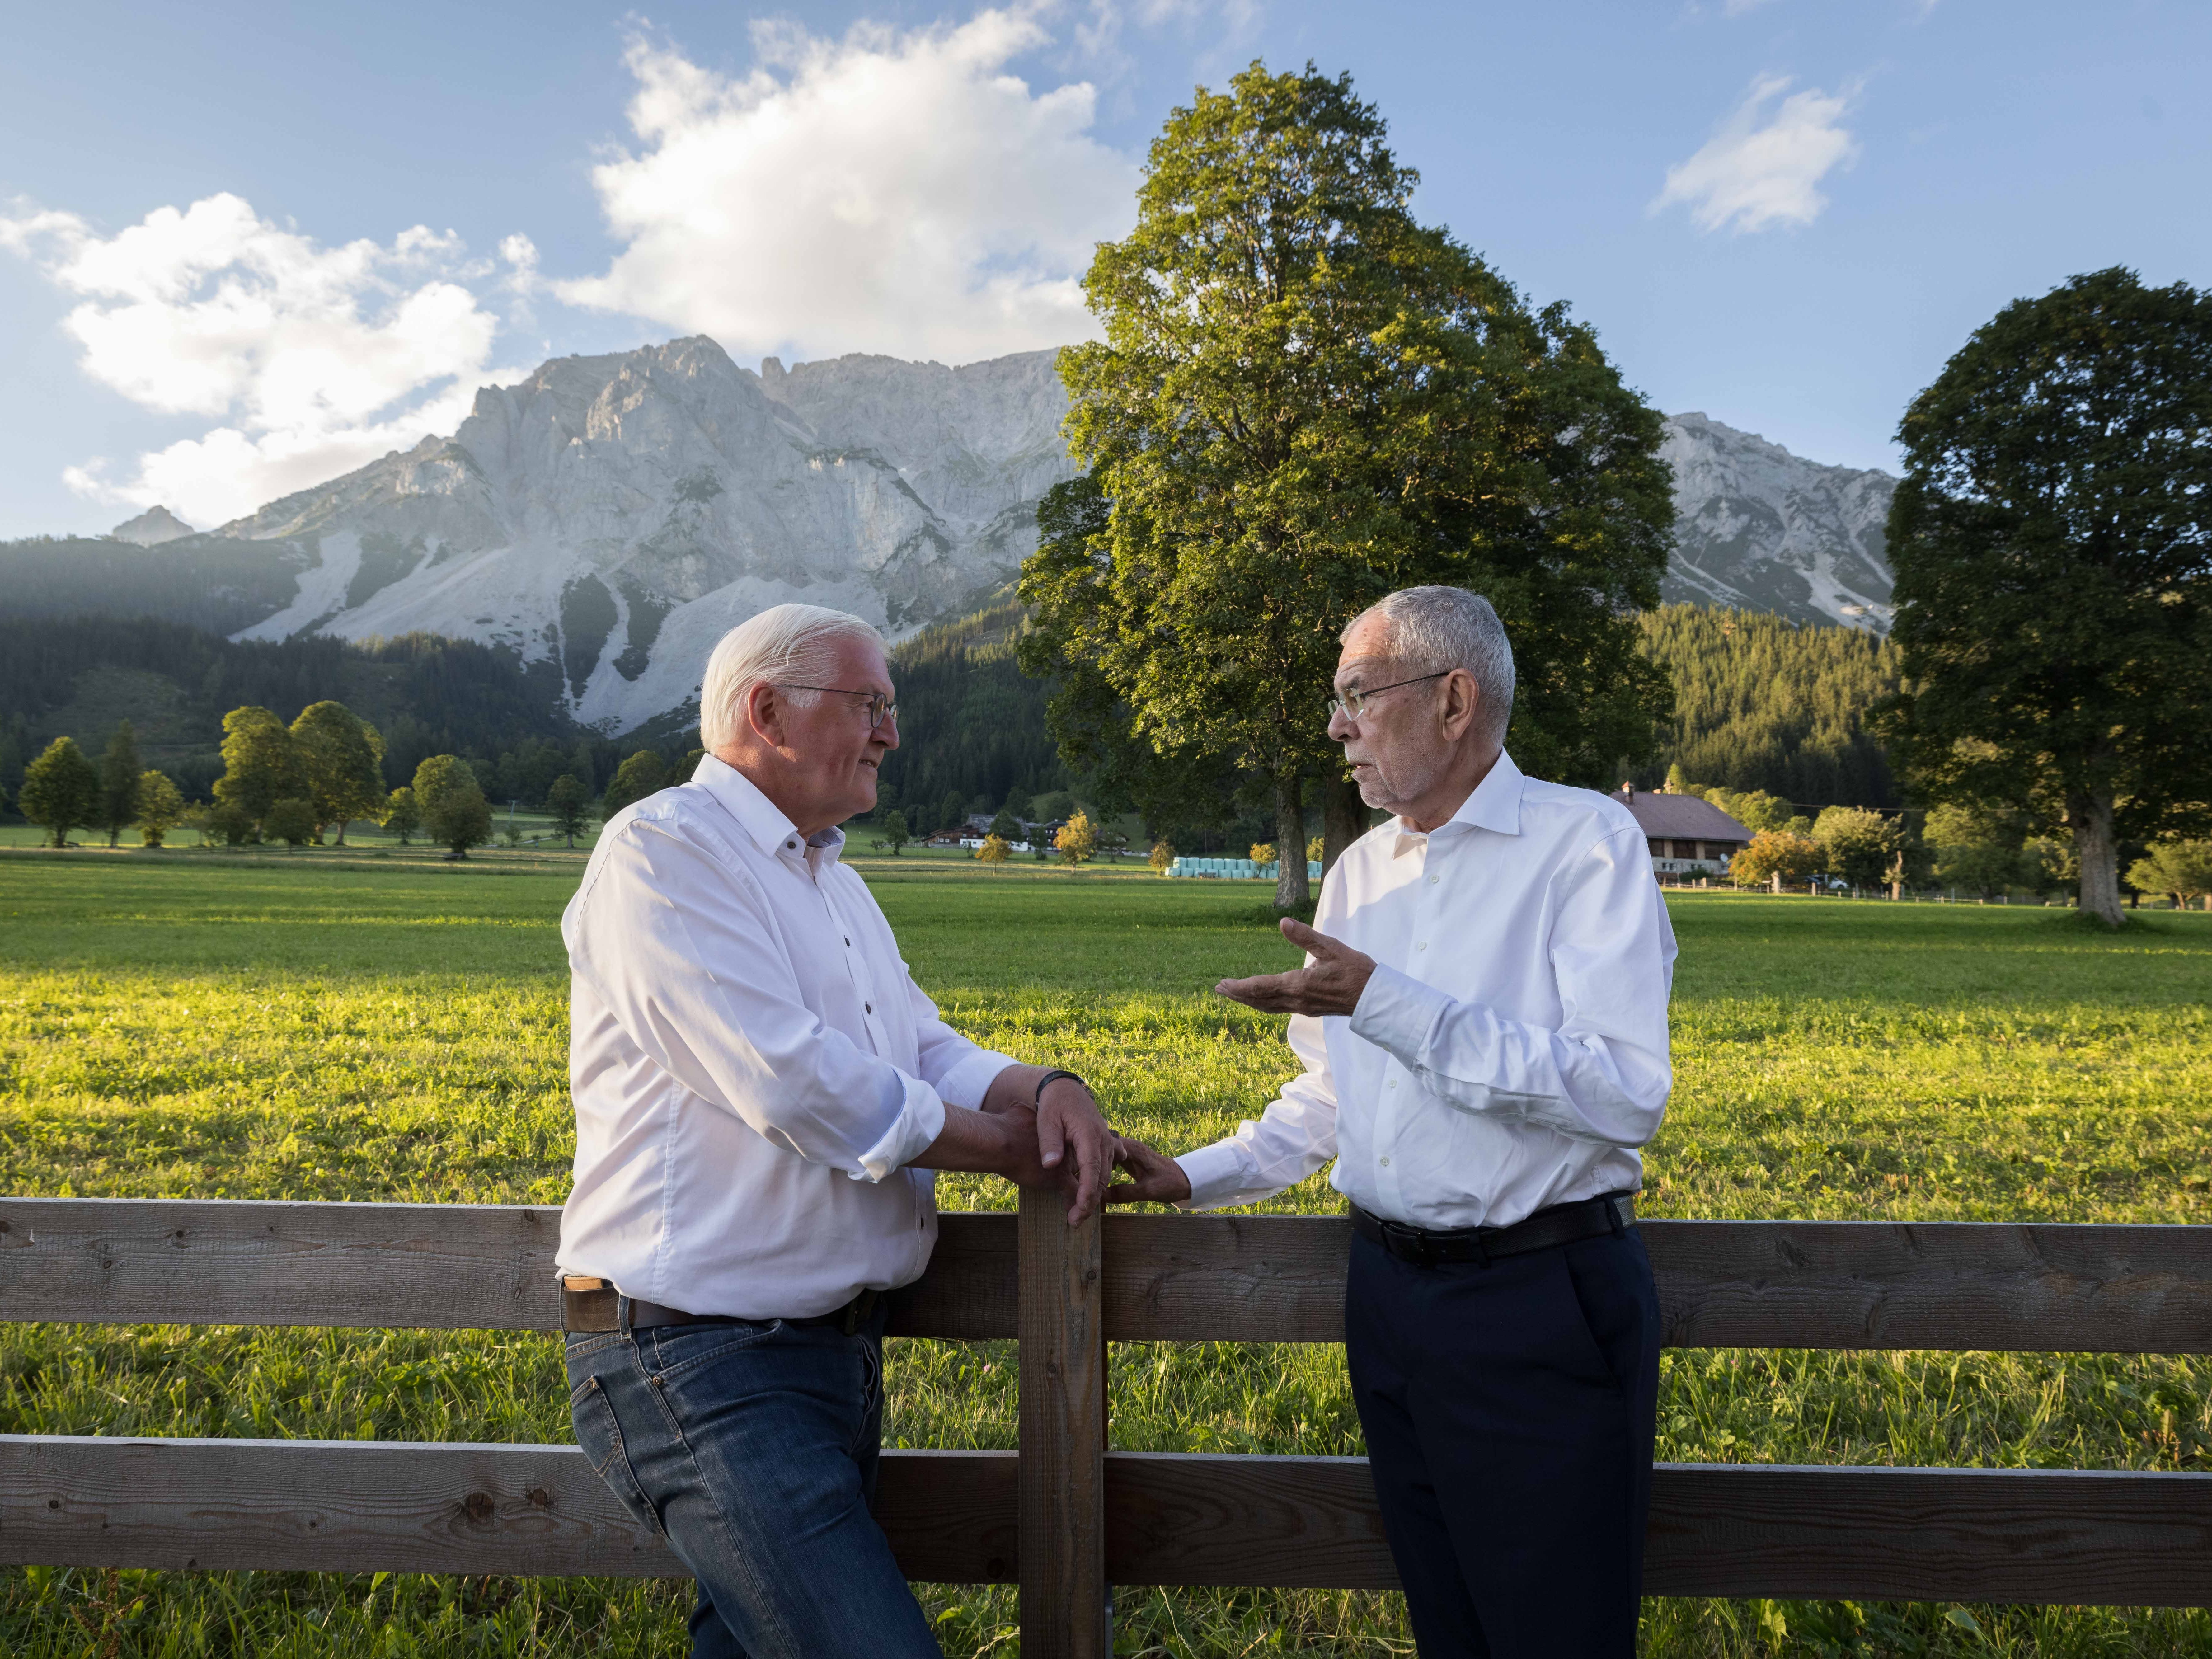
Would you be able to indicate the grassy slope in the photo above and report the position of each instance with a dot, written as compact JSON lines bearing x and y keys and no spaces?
{"x":196,"y":1024}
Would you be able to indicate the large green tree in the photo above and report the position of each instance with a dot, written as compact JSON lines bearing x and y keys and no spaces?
{"x":342,"y":755}
{"x":118,"y":782}
{"x":643,"y":773}
{"x":2053,"y":542}
{"x":260,"y":763}
{"x":61,"y":790}
{"x":1306,"y":398}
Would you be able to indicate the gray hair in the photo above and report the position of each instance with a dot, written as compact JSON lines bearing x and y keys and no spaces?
{"x":783,"y":643}
{"x":1434,"y":630}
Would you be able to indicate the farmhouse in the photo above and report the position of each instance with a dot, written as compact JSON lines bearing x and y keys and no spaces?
{"x":1687,"y":837}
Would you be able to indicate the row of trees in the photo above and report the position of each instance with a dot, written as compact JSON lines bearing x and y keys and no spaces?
{"x":64,"y":791}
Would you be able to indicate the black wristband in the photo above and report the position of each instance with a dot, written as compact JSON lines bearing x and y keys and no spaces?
{"x":1037,"y":1099}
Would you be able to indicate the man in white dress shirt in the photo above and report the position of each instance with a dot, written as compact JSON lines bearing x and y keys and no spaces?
{"x":1483,"y":1027}
{"x":762,"y":1093}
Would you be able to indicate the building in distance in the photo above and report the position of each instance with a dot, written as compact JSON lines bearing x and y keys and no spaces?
{"x":1687,"y":837}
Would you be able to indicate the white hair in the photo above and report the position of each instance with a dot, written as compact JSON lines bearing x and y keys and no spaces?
{"x":1434,"y":630}
{"x":784,"y":644}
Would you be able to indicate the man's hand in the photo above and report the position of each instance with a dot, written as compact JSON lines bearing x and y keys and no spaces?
{"x":1331,"y":985}
{"x":1073,"y":1137}
{"x":1157,"y":1178}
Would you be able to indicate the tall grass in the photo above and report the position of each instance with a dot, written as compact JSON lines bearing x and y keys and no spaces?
{"x":206,"y":1026}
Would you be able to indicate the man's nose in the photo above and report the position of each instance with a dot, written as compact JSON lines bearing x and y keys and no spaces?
{"x":887,"y":733}
{"x":1341,"y":726}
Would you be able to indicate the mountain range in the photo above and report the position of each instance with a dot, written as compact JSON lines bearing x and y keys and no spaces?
{"x":614,"y":514}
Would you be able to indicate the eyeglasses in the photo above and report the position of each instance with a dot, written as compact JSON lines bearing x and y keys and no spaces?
{"x":880,"y":707}
{"x":1354,"y":700}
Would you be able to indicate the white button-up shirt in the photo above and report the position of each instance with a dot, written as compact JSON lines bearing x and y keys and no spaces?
{"x":1510,"y":1051}
{"x":752,"y":1066}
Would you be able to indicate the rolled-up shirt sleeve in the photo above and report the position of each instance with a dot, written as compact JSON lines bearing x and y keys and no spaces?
{"x":705,"y":990}
{"x":1295,"y":1136}
{"x":1604,"y":1074}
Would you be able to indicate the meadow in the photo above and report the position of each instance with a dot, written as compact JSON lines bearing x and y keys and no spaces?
{"x":331,"y":1026}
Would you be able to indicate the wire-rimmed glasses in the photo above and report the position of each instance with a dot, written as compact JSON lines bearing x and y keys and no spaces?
{"x":1353,"y":700}
{"x":880,"y":707}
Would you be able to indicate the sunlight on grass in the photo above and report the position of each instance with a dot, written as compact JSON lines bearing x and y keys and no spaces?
{"x":199,"y":1027}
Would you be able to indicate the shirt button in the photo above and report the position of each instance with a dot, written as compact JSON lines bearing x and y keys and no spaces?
{"x":870,"y":1007}
{"x":1433,"y":881}
{"x":1392,"y":1084}
{"x":1423,"y":945}
{"x":1386,"y":1163}
{"x":788,"y":845}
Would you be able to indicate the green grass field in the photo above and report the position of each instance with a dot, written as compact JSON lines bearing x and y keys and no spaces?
{"x":322,"y":1026}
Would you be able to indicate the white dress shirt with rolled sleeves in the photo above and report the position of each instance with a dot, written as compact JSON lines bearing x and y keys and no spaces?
{"x":752,"y":1066}
{"x":1510,"y":1051}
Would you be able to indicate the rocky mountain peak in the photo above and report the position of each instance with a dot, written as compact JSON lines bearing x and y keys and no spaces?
{"x":151,"y":528}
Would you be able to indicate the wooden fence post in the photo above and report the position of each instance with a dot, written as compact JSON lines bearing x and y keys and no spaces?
{"x":1063,"y":1480}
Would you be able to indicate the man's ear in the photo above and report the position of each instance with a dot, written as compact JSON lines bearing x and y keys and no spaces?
{"x":1462,"y":701}
{"x":764,"y":714}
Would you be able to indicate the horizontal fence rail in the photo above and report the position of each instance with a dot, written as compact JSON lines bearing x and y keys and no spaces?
{"x":1953,"y":1286}
{"x":1174,"y":1520}
{"x":1136,"y":1518}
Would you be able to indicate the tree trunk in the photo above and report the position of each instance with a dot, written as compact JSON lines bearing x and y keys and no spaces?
{"x":340,"y":841}
{"x":2090,"y":818}
{"x":1292,"y":887}
{"x":1343,"y":819}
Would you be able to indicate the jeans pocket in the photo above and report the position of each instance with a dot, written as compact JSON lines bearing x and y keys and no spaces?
{"x":600,"y":1437}
{"x":673,"y":1358}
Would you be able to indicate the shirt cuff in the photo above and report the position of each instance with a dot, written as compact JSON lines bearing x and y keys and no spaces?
{"x":966,"y":1083}
{"x":921,"y":1120}
{"x":1216,"y":1172}
{"x":1396,"y":1012}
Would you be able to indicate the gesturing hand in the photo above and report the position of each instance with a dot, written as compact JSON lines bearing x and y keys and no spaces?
{"x":1331,"y":984}
{"x":1156,"y":1177}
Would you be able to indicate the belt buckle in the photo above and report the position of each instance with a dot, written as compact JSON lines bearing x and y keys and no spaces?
{"x":1411,"y":1244}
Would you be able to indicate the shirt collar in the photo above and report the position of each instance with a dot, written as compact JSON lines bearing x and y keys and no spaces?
{"x":1494,"y":804}
{"x":760,"y":818}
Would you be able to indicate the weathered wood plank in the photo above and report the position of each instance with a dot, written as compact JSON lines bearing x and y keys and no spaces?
{"x":2067,"y":1536}
{"x":1237,"y":1279}
{"x":370,"y":1506}
{"x":1722,"y":1284}
{"x":2085,"y":1537}
{"x":1062,"y":1546}
{"x":2027,"y":1288}
{"x":971,"y":1288}
{"x":2055,"y":1536}
{"x":214,"y":1261}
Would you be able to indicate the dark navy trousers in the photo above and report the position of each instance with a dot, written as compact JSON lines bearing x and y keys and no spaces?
{"x":1508,"y":1410}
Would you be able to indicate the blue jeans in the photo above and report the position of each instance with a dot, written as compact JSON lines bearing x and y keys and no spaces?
{"x":752,"y":1446}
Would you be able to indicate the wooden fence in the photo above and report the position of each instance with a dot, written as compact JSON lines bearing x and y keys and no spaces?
{"x":1064,"y":1517}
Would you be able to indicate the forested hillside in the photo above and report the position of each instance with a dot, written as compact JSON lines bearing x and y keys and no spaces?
{"x":77,"y":677}
{"x":1761,"y":702}
{"x":971,"y":724}
{"x":207,"y":582}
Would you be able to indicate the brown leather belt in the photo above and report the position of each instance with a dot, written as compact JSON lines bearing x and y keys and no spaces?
{"x":593,"y":1305}
{"x":1560,"y":1223}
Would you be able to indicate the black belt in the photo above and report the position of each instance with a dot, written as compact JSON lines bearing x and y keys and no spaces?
{"x":1561,"y":1224}
{"x":593,"y":1305}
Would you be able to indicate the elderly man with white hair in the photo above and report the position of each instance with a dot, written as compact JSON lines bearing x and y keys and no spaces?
{"x":762,"y":1093}
{"x":1483,"y":1027}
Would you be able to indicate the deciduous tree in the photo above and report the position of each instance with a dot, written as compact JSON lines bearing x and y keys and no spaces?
{"x":458,"y":816}
{"x":1077,"y":839}
{"x":1305,"y":399}
{"x":1775,"y":853}
{"x":118,"y":782}
{"x":61,"y":790}
{"x":342,"y":755}
{"x":642,"y":774}
{"x":895,"y":833}
{"x":1163,"y":858}
{"x":2053,"y":542}
{"x":260,"y":763}
{"x":292,"y":819}
{"x":157,"y":807}
{"x":402,"y":814}
{"x":993,"y":850}
{"x":2180,"y":869}
{"x":570,"y":803}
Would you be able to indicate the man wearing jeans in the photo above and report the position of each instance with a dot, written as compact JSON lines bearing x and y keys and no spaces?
{"x":1483,"y":1029}
{"x":762,"y":1093}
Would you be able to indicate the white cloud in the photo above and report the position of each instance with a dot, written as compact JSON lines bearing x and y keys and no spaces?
{"x":316,"y":359}
{"x":886,"y":192}
{"x":1765,"y":165}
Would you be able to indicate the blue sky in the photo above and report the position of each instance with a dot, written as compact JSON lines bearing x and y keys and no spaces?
{"x":244,"y":247}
